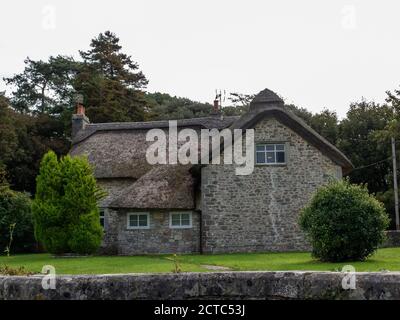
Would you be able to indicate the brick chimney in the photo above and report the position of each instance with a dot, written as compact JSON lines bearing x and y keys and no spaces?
{"x":79,"y":119}
{"x":216,"y":108}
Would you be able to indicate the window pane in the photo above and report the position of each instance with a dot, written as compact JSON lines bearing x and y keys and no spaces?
{"x":185,"y":219}
{"x":260,"y":157}
{"x":269,"y":147}
{"x":143,"y":223}
{"x":270,"y":157}
{"x":280,"y":147}
{"x":280,"y":157}
{"x":143,"y":220}
{"x":133,"y":220}
{"x":185,"y":222}
{"x":260,"y":148}
{"x":175,"y":220}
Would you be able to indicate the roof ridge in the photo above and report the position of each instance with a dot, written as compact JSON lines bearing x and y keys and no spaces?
{"x":209,"y":122}
{"x":161,"y":121}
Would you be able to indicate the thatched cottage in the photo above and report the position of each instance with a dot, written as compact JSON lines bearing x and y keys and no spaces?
{"x":208,"y":208}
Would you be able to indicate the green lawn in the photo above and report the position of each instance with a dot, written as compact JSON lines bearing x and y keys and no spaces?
{"x":384,"y":259}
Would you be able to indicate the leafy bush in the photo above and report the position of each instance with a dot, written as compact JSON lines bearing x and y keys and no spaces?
{"x":343,"y":222}
{"x":15,"y":207}
{"x":65,"y":206}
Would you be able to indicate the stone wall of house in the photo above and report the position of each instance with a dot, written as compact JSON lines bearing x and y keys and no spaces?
{"x":159,"y":238}
{"x":259,"y":212}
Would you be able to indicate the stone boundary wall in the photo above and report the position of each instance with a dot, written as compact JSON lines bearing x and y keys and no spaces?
{"x":218,"y":285}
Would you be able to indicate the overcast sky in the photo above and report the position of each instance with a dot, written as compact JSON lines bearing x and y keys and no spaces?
{"x":313,"y":53}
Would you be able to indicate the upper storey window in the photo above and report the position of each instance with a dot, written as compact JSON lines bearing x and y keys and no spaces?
{"x":270,"y":153}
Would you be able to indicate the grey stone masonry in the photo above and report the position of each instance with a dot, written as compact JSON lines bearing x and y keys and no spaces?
{"x":79,"y":122}
{"x":158,"y":238}
{"x":259,"y":212}
{"x":221,"y":285}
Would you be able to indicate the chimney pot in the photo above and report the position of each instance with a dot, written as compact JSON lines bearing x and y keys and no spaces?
{"x":80,"y":109}
{"x":79,"y":119}
{"x":216,"y":105}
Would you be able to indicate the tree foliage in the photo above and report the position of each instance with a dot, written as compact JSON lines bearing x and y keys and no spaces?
{"x":343,"y":222}
{"x":65,"y":208}
{"x":162,"y":106}
{"x":357,"y":141}
{"x":15,"y":208}
{"x":37,"y":117}
{"x":44,"y":86}
{"x":8,"y":134}
{"x":23,"y":141}
{"x":111,"y":82}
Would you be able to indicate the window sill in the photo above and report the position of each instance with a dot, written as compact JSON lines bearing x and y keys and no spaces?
{"x":270,"y":164}
{"x":183,"y":227}
{"x":137,"y":228}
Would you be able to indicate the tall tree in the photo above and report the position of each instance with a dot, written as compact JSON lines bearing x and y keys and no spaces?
{"x":8,"y":135}
{"x":357,"y":140}
{"x":383,"y":136}
{"x":111,"y":82}
{"x":44,"y":86}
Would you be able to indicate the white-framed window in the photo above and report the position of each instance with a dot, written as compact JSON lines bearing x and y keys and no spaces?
{"x":138,"y":220}
{"x":102,"y":218}
{"x":180,"y":219}
{"x":271,"y":153}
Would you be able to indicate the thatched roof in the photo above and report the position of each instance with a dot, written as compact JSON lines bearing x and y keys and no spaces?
{"x":114,"y":188}
{"x":205,"y":122}
{"x":118,"y":153}
{"x":164,"y":186}
{"x":266,"y":96}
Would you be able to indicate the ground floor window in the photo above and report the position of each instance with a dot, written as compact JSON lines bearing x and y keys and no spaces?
{"x":181,"y":219}
{"x":138,"y":220}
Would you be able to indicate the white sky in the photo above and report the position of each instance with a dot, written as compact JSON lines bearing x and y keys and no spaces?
{"x":314,"y":53}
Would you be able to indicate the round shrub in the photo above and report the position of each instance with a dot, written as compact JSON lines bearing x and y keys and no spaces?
{"x":15,"y":207}
{"x":343,"y":222}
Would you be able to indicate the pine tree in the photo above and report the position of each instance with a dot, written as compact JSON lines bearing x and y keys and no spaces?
{"x":111,"y":82}
{"x":44,"y":87}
